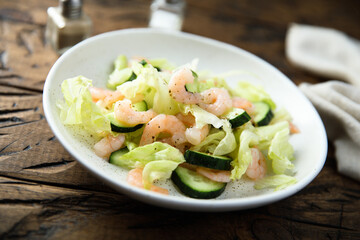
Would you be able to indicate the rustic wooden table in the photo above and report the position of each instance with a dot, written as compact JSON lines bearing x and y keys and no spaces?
{"x":46,"y":194}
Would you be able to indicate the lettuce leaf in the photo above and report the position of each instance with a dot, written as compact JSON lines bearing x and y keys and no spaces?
{"x":228,"y":143}
{"x":210,"y":143}
{"x":202,"y":117}
{"x":151,"y":86}
{"x":277,"y":181}
{"x":79,"y":109}
{"x":281,"y":115}
{"x":253,"y":93}
{"x":281,"y":152}
{"x":162,"y":63}
{"x":158,"y":160}
{"x":157,"y":170}
{"x":267,"y":133}
{"x":248,"y":139}
{"x":120,"y":74}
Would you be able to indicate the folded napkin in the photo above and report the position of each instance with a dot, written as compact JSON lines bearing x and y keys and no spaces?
{"x":331,"y":53}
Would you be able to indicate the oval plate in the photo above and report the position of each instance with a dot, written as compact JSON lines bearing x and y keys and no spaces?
{"x":93,"y":58}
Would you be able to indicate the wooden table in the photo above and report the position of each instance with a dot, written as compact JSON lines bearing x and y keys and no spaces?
{"x":45,"y":194}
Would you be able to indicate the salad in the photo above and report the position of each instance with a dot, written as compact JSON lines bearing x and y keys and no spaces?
{"x":164,"y":122}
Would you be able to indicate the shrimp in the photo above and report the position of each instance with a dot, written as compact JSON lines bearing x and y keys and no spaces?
{"x":216,"y":101}
{"x":107,"y":97}
{"x":196,"y":135}
{"x":177,"y":88}
{"x":243,"y":103}
{"x":125,"y":113}
{"x":215,"y":175}
{"x":257,"y":168}
{"x":193,"y":134}
{"x":164,"y":124}
{"x":293,"y":128}
{"x":109,"y":144}
{"x":135,"y":178}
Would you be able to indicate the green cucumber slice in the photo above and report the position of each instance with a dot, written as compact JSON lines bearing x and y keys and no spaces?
{"x":207,"y":160}
{"x":263,"y":114}
{"x":195,"y":185}
{"x":237,"y":117}
{"x":114,"y":156}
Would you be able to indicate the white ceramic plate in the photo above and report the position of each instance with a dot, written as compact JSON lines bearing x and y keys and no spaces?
{"x":93,"y":59}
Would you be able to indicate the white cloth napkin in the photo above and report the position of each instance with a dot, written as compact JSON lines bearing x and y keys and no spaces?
{"x":330,"y":53}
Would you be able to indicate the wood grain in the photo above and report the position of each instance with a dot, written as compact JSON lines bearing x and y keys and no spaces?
{"x":46,"y":194}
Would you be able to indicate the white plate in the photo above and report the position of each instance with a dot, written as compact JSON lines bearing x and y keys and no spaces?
{"x":93,"y":59}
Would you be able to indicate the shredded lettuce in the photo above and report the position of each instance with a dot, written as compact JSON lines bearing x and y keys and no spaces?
{"x":209,"y":144}
{"x":120,"y":74}
{"x":79,"y":109}
{"x":202,"y":117}
{"x":120,"y":62}
{"x":162,"y":63}
{"x":253,"y":93}
{"x":281,"y":115}
{"x":267,"y":133}
{"x":281,"y":152}
{"x":228,"y":143}
{"x":158,"y":160}
{"x":157,"y":170}
{"x":248,"y":139}
{"x":276,"y":181}
{"x":152,"y":87}
{"x":140,"y":156}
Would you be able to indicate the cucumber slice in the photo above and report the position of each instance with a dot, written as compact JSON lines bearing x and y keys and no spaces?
{"x":118,"y":77}
{"x":207,"y":160}
{"x":237,"y":117}
{"x":114,"y":156}
{"x":117,"y":126}
{"x":195,"y":185}
{"x":263,"y":114}
{"x":140,"y":106}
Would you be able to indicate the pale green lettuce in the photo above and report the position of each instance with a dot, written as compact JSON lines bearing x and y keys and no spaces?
{"x":209,"y":144}
{"x":79,"y":109}
{"x":228,"y":143}
{"x":276,"y":181}
{"x":162,"y":63}
{"x":157,"y":170}
{"x":248,"y":139}
{"x":281,"y":152}
{"x":202,"y":117}
{"x":162,"y":157}
{"x":150,"y":85}
{"x":253,"y":93}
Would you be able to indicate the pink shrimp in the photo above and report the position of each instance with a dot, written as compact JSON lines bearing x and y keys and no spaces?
{"x":107,"y":97}
{"x":257,"y":168}
{"x":109,"y":144}
{"x":135,"y":178}
{"x":293,"y":128}
{"x":243,"y":103}
{"x":125,"y":113}
{"x":193,"y":134}
{"x":177,"y":88}
{"x":215,"y":175}
{"x":164,"y":124}
{"x":216,"y":101}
